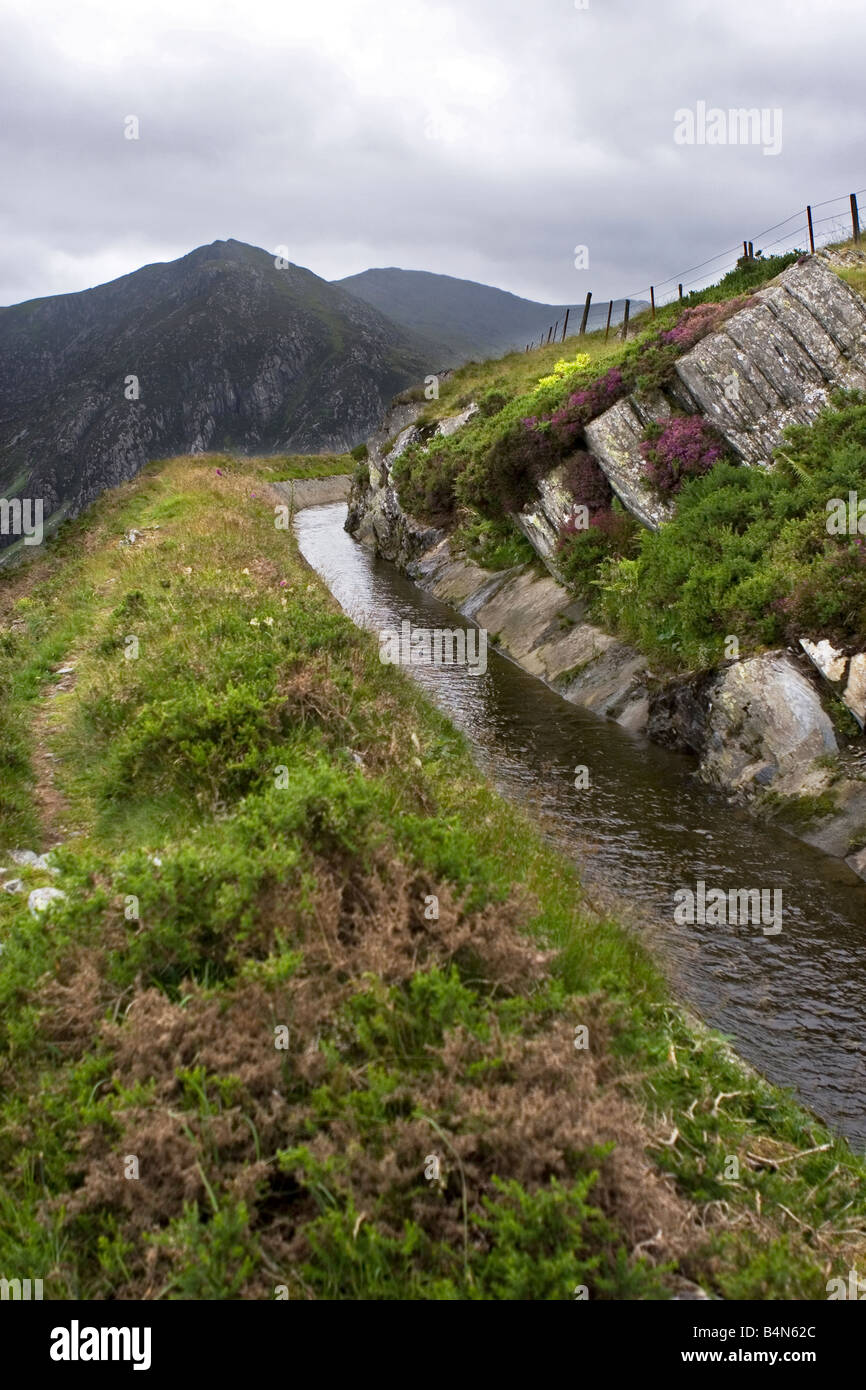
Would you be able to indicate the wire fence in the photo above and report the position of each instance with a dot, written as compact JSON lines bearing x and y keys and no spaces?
{"x":802,"y":231}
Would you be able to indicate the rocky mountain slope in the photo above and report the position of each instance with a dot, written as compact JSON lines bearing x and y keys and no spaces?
{"x":464,"y":319}
{"x":220,"y":349}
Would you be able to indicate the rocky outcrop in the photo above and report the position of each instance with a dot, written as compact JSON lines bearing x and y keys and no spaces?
{"x":542,"y":521}
{"x":760,"y":733}
{"x":846,"y":675}
{"x":772,"y":364}
{"x":614,"y":439}
{"x":776,"y":362}
{"x":752,"y":723}
{"x":375,"y":516}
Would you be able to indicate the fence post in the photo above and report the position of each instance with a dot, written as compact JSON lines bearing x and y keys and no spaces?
{"x":680,"y":288}
{"x":745,"y":250}
{"x":855,"y":217}
{"x":625,"y":319}
{"x":609,"y":313}
{"x":653,"y":300}
{"x":565,"y":325}
{"x":811,"y":229}
{"x":549,"y":333}
{"x":585,"y":314}
{"x":751,"y":250}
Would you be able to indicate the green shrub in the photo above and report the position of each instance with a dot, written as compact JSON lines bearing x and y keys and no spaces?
{"x":494,"y":545}
{"x":611,"y":534}
{"x":748,"y":553}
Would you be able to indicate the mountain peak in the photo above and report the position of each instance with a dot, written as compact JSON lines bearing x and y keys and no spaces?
{"x":218,"y":349}
{"x":464,"y":317}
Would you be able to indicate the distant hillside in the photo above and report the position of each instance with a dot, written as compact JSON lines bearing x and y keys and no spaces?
{"x":228,"y":351}
{"x":462,"y":319}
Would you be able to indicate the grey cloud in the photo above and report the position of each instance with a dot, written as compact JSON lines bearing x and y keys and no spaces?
{"x":558,"y":131}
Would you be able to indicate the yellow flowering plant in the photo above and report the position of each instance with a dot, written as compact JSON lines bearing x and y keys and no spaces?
{"x":563,"y":369}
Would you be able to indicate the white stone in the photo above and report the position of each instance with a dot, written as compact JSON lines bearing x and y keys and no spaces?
{"x":44,"y":863}
{"x":823,"y":655}
{"x":854,"y":694}
{"x":23,"y":857}
{"x":42,"y":898}
{"x":456,"y":422}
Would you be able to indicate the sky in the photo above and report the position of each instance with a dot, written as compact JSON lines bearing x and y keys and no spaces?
{"x":536,"y":145}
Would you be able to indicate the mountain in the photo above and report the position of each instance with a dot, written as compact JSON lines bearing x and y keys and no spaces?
{"x":465,"y":320}
{"x":228,"y":351}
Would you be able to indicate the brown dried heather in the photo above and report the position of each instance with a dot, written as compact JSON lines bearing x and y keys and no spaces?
{"x":525,"y":1106}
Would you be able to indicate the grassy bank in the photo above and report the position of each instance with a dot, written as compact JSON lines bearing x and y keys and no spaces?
{"x":748,"y":553}
{"x":308,"y":960}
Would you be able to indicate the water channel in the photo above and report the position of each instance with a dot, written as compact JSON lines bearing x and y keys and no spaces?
{"x":794,"y":1003}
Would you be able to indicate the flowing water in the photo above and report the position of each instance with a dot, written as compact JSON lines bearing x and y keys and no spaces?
{"x":794,"y":1003}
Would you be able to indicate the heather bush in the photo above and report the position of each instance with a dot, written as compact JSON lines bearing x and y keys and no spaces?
{"x":568,"y":422}
{"x":612,"y":534}
{"x":679,"y":447}
{"x":425,"y":478}
{"x":587,"y":482}
{"x":504,"y":477}
{"x":697,"y":321}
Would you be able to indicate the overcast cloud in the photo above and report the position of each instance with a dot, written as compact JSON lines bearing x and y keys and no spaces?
{"x":483,"y":138}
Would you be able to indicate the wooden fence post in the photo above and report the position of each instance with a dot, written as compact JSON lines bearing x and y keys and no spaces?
{"x":653,"y":300}
{"x":751,"y":250}
{"x":583,"y":321}
{"x":855,"y":217}
{"x":609,"y":313}
{"x":565,"y":325}
{"x":811,"y":229}
{"x":625,"y":319}
{"x":680,"y":288}
{"x":745,"y":250}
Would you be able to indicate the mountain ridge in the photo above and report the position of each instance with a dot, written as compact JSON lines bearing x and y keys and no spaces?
{"x":465,"y":315}
{"x":219,"y":348}
{"x":226,"y":348}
